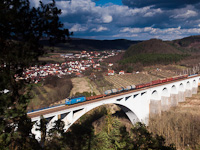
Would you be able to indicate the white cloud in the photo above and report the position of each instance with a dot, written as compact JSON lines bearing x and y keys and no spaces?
{"x":153,"y":12}
{"x":125,"y":35}
{"x":150,"y":32}
{"x":99,"y":29}
{"x":131,"y":30}
{"x":78,"y":27}
{"x":188,"y":14}
{"x":138,"y":30}
{"x":107,"y":19}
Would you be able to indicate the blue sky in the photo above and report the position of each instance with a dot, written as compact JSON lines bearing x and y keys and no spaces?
{"x":130,"y":19}
{"x":106,"y":2}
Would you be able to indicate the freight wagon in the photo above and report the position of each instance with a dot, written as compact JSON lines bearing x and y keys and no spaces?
{"x":94,"y":97}
{"x":74,"y":100}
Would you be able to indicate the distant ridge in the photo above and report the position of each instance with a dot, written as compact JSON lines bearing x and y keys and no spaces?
{"x":185,"y":45}
{"x":93,"y":45}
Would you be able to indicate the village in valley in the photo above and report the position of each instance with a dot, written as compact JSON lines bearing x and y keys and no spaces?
{"x":75,"y":64}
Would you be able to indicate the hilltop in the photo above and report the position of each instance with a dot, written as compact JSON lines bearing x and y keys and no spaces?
{"x":153,"y":52}
{"x":153,"y":46}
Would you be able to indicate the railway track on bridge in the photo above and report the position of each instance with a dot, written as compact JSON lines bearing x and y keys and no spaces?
{"x":63,"y":107}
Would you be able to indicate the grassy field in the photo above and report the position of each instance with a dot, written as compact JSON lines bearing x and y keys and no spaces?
{"x":83,"y":85}
{"x":39,"y":95}
{"x":51,"y":91}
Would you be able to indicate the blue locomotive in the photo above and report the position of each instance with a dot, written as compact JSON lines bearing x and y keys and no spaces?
{"x":74,"y":100}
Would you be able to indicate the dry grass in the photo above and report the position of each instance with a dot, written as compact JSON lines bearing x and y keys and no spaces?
{"x":94,"y":87}
{"x":80,"y":85}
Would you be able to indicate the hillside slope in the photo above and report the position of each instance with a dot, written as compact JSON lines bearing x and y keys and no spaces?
{"x":153,"y":52}
{"x":188,"y":44}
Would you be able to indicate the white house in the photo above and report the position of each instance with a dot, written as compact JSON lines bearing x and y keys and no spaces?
{"x":121,"y":72}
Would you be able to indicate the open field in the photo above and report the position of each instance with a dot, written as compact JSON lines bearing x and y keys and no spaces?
{"x":49,"y":59}
{"x":80,"y":85}
{"x":40,"y":95}
{"x":94,"y":87}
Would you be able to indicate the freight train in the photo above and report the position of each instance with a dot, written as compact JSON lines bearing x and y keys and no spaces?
{"x":74,"y":100}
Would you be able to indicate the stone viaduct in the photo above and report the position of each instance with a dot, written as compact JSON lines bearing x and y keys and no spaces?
{"x":137,"y":104}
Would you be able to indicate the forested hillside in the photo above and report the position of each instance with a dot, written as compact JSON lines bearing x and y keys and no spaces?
{"x":188,"y":44}
{"x":91,"y":44}
{"x":153,"y":46}
{"x":152,"y":52}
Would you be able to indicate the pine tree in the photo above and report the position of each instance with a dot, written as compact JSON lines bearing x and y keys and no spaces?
{"x":21,"y":28}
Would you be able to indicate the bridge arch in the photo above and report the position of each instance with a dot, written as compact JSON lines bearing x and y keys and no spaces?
{"x":194,"y":86}
{"x":194,"y":83}
{"x":174,"y":96}
{"x":181,"y":93}
{"x":155,"y":103}
{"x":130,"y":114}
{"x":188,"y":85}
{"x":165,"y":99}
{"x":181,"y":87}
{"x":174,"y":90}
{"x":155,"y":95}
{"x":165,"y":92}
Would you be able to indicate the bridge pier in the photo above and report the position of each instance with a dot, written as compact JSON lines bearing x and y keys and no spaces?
{"x":165,"y":103}
{"x":194,"y":90}
{"x":188,"y":93}
{"x":51,"y":123}
{"x":35,"y":130}
{"x":68,"y":120}
{"x":155,"y":107}
{"x":181,"y":96}
{"x":174,"y":100}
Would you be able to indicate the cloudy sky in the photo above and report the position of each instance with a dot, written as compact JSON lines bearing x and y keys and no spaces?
{"x":130,"y":19}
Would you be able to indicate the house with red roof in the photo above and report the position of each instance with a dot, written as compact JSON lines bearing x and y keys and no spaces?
{"x":121,"y":72}
{"x":111,"y":72}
